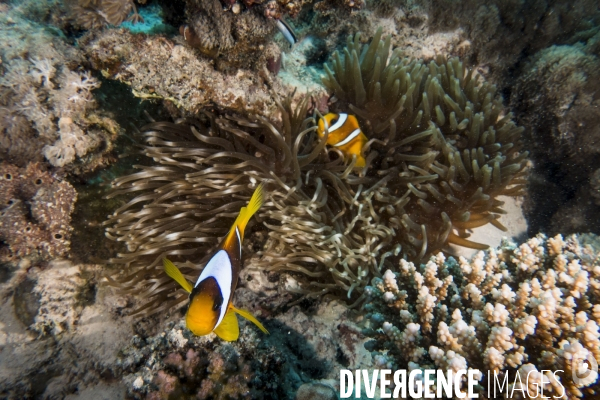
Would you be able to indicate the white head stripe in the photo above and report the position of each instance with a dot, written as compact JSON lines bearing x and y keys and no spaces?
{"x":341,"y":121}
{"x":349,"y":138}
{"x":237,"y":232}
{"x":219,"y":267}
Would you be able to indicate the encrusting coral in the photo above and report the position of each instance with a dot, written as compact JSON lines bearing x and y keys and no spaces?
{"x":440,"y":153}
{"x":35,"y":212}
{"x":531,"y":307}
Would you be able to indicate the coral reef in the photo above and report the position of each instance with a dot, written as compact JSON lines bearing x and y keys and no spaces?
{"x":157,"y":68}
{"x":35,"y":212}
{"x":557,"y":95}
{"x":297,"y":360}
{"x":441,"y":150}
{"x":60,"y":332}
{"x":58,"y":291}
{"x":47,"y":104}
{"x":499,"y":32}
{"x":530,"y":307}
{"x":233,"y":40}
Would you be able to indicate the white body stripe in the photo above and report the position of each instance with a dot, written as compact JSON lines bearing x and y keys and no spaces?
{"x":237,"y":232}
{"x":219,"y":267}
{"x":349,"y":138}
{"x":341,"y":121}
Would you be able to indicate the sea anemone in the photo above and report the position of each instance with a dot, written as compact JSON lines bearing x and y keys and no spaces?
{"x":441,"y":136}
{"x":441,"y":152}
{"x":206,"y":171}
{"x":94,"y":14}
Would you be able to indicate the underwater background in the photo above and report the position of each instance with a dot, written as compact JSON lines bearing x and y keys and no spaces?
{"x":460,"y":234}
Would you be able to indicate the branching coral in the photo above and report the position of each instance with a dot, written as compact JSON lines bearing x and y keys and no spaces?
{"x":435,"y":166}
{"x":528,"y":308}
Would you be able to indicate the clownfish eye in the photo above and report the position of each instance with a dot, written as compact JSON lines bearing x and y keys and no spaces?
{"x":333,"y":121}
{"x":217,"y":305}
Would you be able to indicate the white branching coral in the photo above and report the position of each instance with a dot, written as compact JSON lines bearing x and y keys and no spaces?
{"x":531,"y":308}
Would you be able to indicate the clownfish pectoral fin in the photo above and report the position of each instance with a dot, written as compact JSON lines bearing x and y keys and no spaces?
{"x":250,"y":318}
{"x":176,"y":274}
{"x":360,"y":161}
{"x":228,"y":329}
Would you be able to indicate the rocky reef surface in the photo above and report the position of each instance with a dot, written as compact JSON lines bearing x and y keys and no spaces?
{"x":78,"y":78}
{"x":530,"y":307}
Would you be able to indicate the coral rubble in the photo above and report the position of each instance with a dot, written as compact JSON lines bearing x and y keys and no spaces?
{"x":291,"y":362}
{"x":530,"y":307}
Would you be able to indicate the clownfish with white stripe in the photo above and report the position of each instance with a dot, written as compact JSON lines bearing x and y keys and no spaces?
{"x":344,"y":134}
{"x":210,"y":308}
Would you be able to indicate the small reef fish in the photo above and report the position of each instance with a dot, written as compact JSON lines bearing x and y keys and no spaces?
{"x":344,"y":134}
{"x":286,"y":31}
{"x":210,"y":308}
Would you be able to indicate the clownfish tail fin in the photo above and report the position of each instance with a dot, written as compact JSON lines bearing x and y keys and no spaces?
{"x":256,"y":201}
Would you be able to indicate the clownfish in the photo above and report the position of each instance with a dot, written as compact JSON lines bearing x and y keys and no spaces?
{"x":210,"y":307}
{"x":344,"y":134}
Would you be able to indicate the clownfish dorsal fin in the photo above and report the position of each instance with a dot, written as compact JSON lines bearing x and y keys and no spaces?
{"x":250,"y":318}
{"x":256,"y":201}
{"x":228,"y":329}
{"x":176,"y":274}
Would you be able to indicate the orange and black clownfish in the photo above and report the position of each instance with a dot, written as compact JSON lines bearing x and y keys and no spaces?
{"x":344,"y":134}
{"x":210,"y":308}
